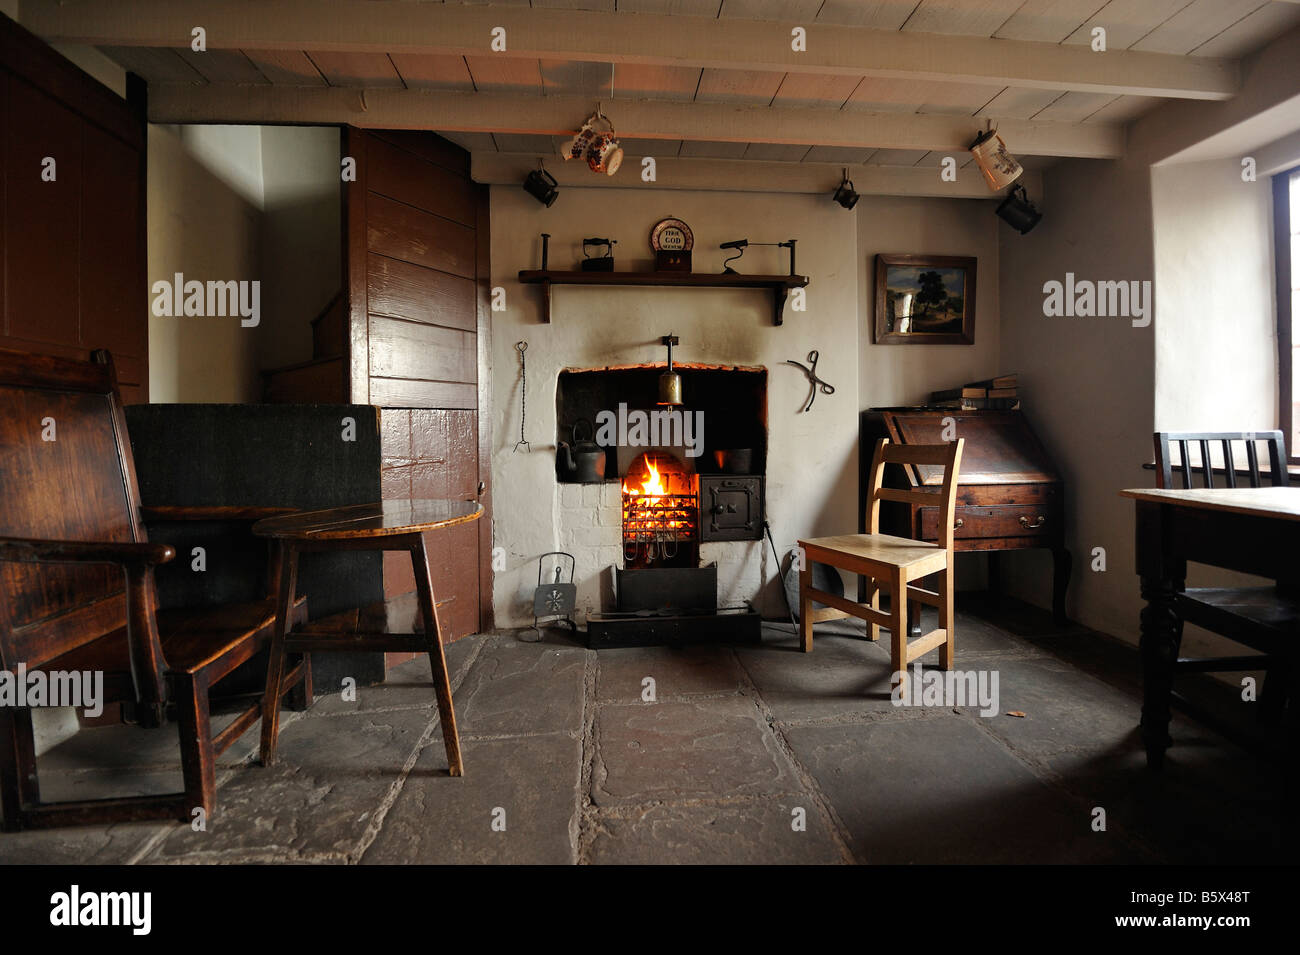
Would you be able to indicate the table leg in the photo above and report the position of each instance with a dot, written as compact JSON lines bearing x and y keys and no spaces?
{"x":287,"y":575}
{"x":1062,"y":563}
{"x":437,"y":659}
{"x":1162,"y":635}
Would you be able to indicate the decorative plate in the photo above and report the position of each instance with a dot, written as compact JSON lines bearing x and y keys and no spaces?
{"x":671,"y":235}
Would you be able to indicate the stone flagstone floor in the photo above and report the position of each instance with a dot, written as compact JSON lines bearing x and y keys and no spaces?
{"x":750,"y":755}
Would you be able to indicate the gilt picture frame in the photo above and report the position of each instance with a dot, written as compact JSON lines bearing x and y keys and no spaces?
{"x":925,"y":299}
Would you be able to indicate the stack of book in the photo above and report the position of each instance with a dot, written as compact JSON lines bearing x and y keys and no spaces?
{"x":998,"y":393}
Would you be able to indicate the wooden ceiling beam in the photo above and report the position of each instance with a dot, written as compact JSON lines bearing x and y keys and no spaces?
{"x":641,"y":119}
{"x":391,"y":26}
{"x":743,"y":175}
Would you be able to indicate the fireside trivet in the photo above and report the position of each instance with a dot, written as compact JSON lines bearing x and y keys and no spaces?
{"x":813,"y":381}
{"x":556,"y":598}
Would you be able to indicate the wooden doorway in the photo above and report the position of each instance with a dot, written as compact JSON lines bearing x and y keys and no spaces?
{"x":416,"y":277}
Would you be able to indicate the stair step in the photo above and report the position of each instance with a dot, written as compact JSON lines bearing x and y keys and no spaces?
{"x":329,"y":330}
{"x":319,"y":381}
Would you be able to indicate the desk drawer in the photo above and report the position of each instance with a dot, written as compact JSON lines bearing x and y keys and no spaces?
{"x":1016,"y":520}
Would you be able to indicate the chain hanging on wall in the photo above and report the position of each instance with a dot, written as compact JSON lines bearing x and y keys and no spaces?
{"x":521,"y":347}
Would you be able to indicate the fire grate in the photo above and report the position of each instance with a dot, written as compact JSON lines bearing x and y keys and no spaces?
{"x":653,"y":525}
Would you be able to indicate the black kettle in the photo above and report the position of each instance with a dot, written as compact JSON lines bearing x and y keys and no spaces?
{"x":583,"y":462}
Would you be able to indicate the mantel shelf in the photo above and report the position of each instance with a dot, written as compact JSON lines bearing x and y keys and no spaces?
{"x":779,"y":285}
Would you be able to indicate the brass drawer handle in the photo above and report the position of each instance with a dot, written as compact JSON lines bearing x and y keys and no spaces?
{"x":959,"y":523}
{"x":1025,"y":522}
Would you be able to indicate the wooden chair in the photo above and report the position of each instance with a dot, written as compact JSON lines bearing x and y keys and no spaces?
{"x":891,"y":563}
{"x":77,"y":590}
{"x":1258,"y":617}
{"x":1273,"y":441}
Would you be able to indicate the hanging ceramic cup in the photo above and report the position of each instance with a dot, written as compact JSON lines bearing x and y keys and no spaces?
{"x":999,"y":167}
{"x":605,"y":154}
{"x":576,"y":148}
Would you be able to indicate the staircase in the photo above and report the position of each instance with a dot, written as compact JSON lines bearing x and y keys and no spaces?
{"x":323,"y":379}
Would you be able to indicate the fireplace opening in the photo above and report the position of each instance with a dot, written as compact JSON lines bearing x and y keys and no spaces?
{"x":661,"y":504}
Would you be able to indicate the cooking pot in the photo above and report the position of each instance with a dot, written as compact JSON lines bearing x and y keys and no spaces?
{"x":583,"y":462}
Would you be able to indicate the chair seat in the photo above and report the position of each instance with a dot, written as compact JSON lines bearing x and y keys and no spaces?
{"x":192,"y":638}
{"x":918,"y":557}
{"x":1259,"y":617}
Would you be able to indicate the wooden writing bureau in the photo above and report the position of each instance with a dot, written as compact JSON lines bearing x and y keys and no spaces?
{"x":1010,"y":496}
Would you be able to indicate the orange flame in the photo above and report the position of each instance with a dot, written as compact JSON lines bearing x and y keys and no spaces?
{"x":651,"y":486}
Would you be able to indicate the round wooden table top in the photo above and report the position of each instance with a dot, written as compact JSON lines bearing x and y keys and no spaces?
{"x":361,"y":521}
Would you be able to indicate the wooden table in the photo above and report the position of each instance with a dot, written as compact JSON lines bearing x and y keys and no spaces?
{"x":1251,"y":530}
{"x":390,"y":525}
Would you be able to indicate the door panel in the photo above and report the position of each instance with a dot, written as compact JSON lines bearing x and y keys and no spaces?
{"x":418,"y":276}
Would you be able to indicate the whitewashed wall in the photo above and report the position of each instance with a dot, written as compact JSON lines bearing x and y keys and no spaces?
{"x":812,"y":458}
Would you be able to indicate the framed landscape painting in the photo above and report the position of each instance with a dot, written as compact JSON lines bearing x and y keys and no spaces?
{"x":925,"y":299}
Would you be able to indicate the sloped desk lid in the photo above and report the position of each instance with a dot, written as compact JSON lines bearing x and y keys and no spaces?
{"x":1000,"y":447}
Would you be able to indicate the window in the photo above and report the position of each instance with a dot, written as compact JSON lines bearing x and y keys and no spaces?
{"x":1286,"y":232}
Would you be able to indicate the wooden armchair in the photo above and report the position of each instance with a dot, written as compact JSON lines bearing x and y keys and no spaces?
{"x":1261,"y":618}
{"x":77,"y":590}
{"x":891,"y":563}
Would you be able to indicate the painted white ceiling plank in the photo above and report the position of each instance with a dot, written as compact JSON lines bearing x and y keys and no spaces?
{"x":1123,"y":109}
{"x":286,"y":67}
{"x":874,"y":14}
{"x":575,"y":78}
{"x":446,"y":72}
{"x":1196,"y":23}
{"x":371,"y":70}
{"x":1048,"y":21}
{"x":966,"y":17}
{"x":815,"y":89}
{"x":1126,"y":21}
{"x":1252,"y":32}
{"x":1074,"y":107}
{"x":1014,"y":103}
{"x":224,"y":66}
{"x":156,"y":65}
{"x":746,"y":87}
{"x":647,"y":81}
{"x":505,"y":75}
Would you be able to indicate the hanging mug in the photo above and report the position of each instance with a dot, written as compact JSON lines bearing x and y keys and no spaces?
{"x":576,"y":148}
{"x":999,"y":167}
{"x":605,"y":154}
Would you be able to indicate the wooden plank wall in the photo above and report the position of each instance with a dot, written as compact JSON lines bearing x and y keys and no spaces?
{"x":73,"y":249}
{"x":417,"y":241}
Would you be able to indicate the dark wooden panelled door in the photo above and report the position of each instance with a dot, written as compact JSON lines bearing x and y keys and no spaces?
{"x":417,"y":277}
{"x":72,"y":164}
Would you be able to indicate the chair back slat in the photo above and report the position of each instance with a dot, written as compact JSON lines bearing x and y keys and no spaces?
{"x":1164,"y":440}
{"x":65,"y":474}
{"x":1252,"y":463}
{"x":947,"y":456}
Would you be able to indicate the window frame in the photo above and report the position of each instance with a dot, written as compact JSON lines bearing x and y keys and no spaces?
{"x":1282,"y":268}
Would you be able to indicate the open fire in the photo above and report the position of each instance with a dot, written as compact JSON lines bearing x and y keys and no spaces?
{"x":660,"y":509}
